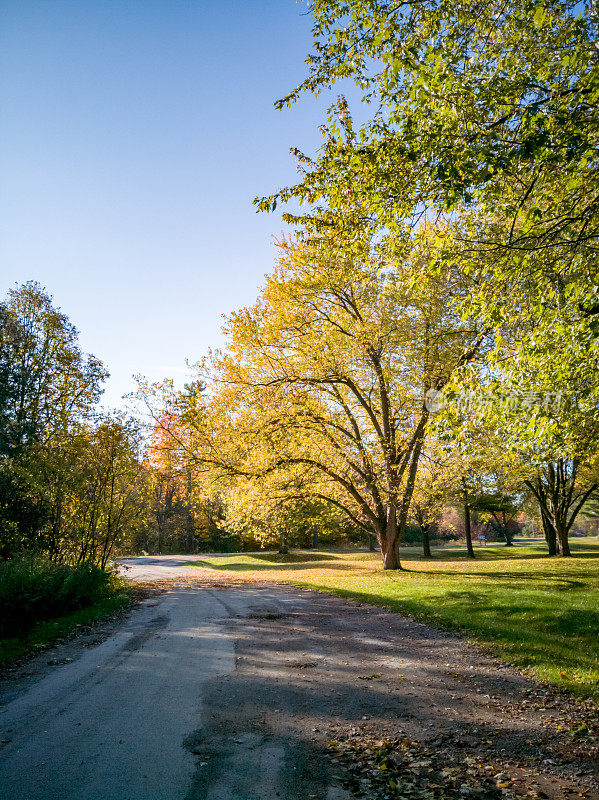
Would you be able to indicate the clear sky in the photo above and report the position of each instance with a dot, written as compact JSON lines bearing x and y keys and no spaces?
{"x":134,"y":135}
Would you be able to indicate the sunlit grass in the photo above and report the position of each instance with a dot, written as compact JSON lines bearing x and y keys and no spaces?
{"x":539,"y":613}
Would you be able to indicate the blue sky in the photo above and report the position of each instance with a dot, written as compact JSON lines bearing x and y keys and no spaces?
{"x":134,"y":135}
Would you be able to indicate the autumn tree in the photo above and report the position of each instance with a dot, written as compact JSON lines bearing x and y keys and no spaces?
{"x":480,"y":104}
{"x":435,"y":487}
{"x":280,"y":509}
{"x":327,"y":376}
{"x":166,"y":482}
{"x":186,"y":507}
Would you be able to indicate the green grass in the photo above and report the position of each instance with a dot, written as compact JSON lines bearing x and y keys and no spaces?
{"x":44,"y":633}
{"x":539,"y":613}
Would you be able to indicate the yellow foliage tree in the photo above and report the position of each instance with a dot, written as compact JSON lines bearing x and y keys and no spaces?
{"x":329,"y":372}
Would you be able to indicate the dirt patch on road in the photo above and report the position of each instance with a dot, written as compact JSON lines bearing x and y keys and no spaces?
{"x":204,"y":579}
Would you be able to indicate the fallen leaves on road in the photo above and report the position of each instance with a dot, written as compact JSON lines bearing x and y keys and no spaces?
{"x":572,"y":722}
{"x":381,"y":769}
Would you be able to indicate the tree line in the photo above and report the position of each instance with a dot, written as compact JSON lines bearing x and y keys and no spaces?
{"x":68,"y":473}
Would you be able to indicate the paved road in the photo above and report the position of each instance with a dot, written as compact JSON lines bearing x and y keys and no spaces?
{"x":232,"y":693}
{"x":167,"y":568}
{"x":151,"y":568}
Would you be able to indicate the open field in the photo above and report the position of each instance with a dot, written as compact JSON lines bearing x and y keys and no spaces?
{"x":538,"y":613}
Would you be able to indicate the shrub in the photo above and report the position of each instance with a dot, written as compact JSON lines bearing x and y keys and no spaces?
{"x":34,"y":589}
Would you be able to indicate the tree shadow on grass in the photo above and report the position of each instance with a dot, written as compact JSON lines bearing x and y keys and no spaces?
{"x":293,"y":558}
{"x":275,"y":566}
{"x":503,"y":553}
{"x":558,"y":581}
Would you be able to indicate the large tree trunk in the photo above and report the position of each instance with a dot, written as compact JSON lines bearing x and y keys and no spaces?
{"x":390,"y":540}
{"x":509,"y":534}
{"x":426,"y":541}
{"x":467,"y":525}
{"x":390,"y":557}
{"x":563,"y":545}
{"x":550,"y":534}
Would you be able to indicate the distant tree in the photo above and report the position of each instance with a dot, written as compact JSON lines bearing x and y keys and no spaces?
{"x":499,"y":510}
{"x":562,"y":487}
{"x":435,"y":486}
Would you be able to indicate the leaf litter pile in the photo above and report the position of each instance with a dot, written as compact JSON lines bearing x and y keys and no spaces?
{"x":400,"y":767}
{"x":392,"y":768}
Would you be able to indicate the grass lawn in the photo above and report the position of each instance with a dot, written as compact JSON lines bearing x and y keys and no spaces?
{"x":44,"y":633}
{"x":537,"y":612}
